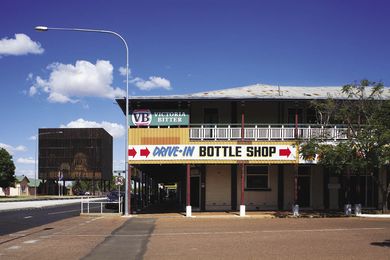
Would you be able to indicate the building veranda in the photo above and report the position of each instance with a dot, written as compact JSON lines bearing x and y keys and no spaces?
{"x":237,"y":149}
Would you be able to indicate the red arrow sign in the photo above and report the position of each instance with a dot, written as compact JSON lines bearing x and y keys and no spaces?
{"x":145,"y":152}
{"x":284,"y":152}
{"x":132,"y":152}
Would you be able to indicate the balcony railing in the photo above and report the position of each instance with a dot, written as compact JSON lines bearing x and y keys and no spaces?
{"x":267,"y":132}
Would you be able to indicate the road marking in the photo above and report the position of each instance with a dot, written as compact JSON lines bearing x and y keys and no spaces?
{"x":62,"y":212}
{"x":17,"y":235}
{"x":21,"y":235}
{"x":67,"y":211}
{"x":44,"y":237}
{"x":28,"y":217}
{"x":253,"y":232}
{"x":96,"y":218}
{"x":322,"y":230}
{"x":228,"y":232}
{"x":14,"y":247}
{"x":30,"y":241}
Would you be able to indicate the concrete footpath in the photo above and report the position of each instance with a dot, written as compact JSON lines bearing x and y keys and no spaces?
{"x":109,"y":237}
{"x":15,"y":205}
{"x":246,"y":238}
{"x":374,"y":215}
{"x":19,"y":205}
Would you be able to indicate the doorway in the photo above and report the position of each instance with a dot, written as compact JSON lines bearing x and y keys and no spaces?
{"x":195,"y":192}
{"x":304,"y":186}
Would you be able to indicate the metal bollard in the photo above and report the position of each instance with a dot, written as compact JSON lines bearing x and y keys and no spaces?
{"x":358,"y":209}
{"x":295,"y":210}
{"x":347,"y":209}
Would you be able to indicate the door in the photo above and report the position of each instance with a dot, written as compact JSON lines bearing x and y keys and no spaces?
{"x":195,"y":192}
{"x":304,"y":186}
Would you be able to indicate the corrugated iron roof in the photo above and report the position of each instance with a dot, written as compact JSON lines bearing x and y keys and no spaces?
{"x":263,"y":91}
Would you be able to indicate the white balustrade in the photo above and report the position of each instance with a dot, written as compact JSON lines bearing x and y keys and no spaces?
{"x":267,"y":132}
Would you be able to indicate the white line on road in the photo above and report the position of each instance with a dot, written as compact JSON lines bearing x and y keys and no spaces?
{"x":322,"y":230}
{"x":62,"y":212}
{"x":96,"y":218}
{"x":44,"y":237}
{"x":67,"y":211}
{"x":28,"y":217}
{"x":30,"y":241}
{"x":17,"y":235}
{"x":265,"y":231}
{"x":230,"y":232}
{"x":14,"y":247}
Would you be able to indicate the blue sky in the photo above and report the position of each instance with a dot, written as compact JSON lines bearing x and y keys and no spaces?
{"x":55,"y":78}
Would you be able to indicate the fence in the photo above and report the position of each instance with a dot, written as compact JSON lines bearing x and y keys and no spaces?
{"x":267,"y":132}
{"x":89,"y":206}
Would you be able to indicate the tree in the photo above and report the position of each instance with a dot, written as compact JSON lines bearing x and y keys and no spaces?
{"x":7,"y":169}
{"x":367,"y":147}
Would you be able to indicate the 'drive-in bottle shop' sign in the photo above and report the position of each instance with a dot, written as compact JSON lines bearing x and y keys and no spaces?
{"x":147,"y":117}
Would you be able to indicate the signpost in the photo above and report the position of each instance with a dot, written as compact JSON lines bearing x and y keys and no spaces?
{"x":147,"y":117}
{"x":213,"y":152}
{"x":60,"y":178}
{"x":119,"y":181}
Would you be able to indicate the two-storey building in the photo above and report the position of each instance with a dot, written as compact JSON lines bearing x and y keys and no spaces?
{"x":237,"y":149}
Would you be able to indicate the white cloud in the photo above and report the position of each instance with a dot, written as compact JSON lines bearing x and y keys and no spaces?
{"x":121,"y":162}
{"x":33,"y":137}
{"x":20,"y":45}
{"x":12,"y":149}
{"x":30,"y":77}
{"x":33,"y":90}
{"x":122,"y":71}
{"x":114,"y":129}
{"x":153,"y":83}
{"x":25,"y":172}
{"x":67,"y":82}
{"x":28,"y":160}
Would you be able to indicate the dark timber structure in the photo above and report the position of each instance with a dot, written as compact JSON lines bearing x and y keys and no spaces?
{"x":74,"y":154}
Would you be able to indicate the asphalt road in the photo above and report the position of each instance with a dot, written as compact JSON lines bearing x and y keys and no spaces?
{"x":336,"y":238}
{"x":164,"y":237}
{"x":17,"y":220}
{"x":12,"y":221}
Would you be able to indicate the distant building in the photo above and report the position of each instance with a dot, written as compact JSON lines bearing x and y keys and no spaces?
{"x":23,"y":186}
{"x":74,"y":154}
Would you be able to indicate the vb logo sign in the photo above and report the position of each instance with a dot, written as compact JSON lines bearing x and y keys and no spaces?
{"x":141,"y":117}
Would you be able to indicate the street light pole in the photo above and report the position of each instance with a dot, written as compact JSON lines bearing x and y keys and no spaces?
{"x":128,"y":178}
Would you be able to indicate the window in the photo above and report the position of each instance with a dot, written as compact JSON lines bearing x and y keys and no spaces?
{"x":256,"y":177}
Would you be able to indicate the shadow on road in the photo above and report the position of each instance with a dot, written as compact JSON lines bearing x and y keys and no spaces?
{"x":127,"y":242}
{"x":385,"y":243}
